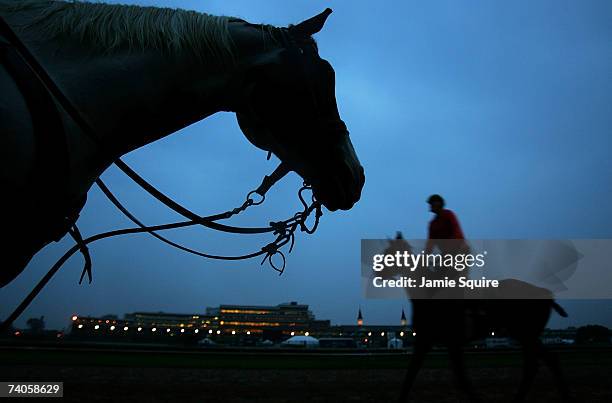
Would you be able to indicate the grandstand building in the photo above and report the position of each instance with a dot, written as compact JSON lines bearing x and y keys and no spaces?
{"x":233,"y":324}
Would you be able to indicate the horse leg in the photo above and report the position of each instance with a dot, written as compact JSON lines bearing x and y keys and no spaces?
{"x":416,"y":362}
{"x":530,"y":368}
{"x":552,"y":362}
{"x":455,"y":353}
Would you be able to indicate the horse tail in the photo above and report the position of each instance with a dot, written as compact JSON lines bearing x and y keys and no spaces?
{"x":559,"y":309}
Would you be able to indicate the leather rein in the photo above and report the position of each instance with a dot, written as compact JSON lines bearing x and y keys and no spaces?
{"x":283,"y":230}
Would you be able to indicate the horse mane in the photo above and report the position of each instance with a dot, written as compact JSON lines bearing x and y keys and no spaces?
{"x":113,"y":27}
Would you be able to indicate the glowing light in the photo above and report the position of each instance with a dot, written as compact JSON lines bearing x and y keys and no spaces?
{"x":182,"y":330}
{"x":382,"y":333}
{"x":402,"y":334}
{"x":154,"y":329}
{"x":369,"y":333}
{"x":492,"y":333}
{"x":168,"y":330}
{"x":17,"y":333}
{"x":210,"y":331}
{"x":307,"y":334}
{"x":233,"y":332}
{"x":107,"y":320}
{"x":197,"y":331}
{"x":414,"y":333}
{"x":218,"y":331}
{"x":80,"y":326}
{"x":112,"y":327}
{"x":139,"y":329}
{"x":74,"y":317}
{"x":97,"y":327}
{"x":365,"y":340}
{"x":293,"y":333}
{"x":125,"y":328}
{"x":221,"y":322}
{"x":248,"y":332}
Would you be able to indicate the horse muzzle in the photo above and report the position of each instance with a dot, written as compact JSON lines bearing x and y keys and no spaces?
{"x":338,"y":182}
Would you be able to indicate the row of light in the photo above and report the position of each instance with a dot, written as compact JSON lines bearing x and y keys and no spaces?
{"x":154,"y":329}
{"x":126,"y":328}
{"x":233,"y":331}
{"x":383,"y":333}
{"x":96,"y":327}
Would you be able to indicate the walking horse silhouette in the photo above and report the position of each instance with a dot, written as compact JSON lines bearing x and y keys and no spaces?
{"x":83,"y":84}
{"x":452,"y":322}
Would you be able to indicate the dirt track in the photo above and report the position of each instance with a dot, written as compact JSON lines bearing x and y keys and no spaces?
{"x":297,"y":385}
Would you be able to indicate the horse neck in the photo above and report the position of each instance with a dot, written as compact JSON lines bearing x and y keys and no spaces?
{"x":134,"y":98}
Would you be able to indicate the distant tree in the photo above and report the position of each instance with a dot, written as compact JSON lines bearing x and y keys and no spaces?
{"x":36,"y":325}
{"x":592,"y":334}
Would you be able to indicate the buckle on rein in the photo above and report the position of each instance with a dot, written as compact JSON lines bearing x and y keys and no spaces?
{"x":285,"y":230}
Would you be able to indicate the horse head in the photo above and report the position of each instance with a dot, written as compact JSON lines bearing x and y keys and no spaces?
{"x":290,"y":110}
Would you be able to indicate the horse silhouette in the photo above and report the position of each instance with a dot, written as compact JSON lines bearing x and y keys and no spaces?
{"x":137,"y":74}
{"x":454,"y":322}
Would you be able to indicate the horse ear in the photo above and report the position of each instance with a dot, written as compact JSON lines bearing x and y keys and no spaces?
{"x":312,"y":25}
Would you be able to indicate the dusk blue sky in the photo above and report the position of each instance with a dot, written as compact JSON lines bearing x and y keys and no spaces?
{"x":504,"y":108}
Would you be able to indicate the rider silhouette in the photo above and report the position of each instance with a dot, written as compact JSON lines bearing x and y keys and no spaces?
{"x":445,"y":224}
{"x":445,"y":234}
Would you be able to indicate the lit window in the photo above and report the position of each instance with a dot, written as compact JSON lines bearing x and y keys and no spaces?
{"x":248,"y":332}
{"x":210,"y":331}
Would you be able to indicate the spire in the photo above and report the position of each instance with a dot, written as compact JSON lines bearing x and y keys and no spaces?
{"x":403,"y":320}
{"x":359,"y":318}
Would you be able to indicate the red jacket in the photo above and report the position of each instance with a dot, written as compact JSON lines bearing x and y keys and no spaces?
{"x":445,"y":226}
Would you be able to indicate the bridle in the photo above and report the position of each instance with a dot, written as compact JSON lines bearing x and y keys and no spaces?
{"x":284,"y":230}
